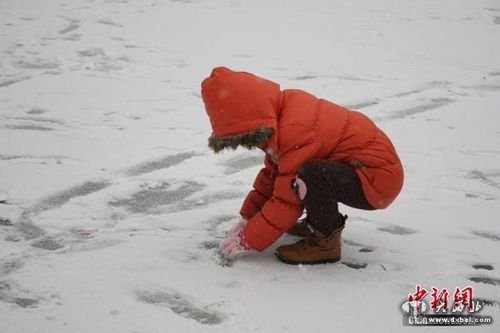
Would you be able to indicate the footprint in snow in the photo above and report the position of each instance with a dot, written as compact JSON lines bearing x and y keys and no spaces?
{"x":483,"y":266}
{"x":72,"y":26}
{"x":47,"y":243}
{"x":4,"y":222}
{"x":27,"y":229}
{"x":432,"y":104}
{"x":485,"y":280}
{"x":59,"y":199}
{"x":9,"y":266}
{"x":241,"y":162}
{"x":159,"y":164}
{"x":36,"y":111}
{"x":396,"y":230}
{"x":179,"y":304}
{"x":354,"y":265}
{"x":205,"y":200}
{"x":486,"y":235}
{"x":29,"y":128}
{"x":9,"y":293}
{"x":150,"y":200}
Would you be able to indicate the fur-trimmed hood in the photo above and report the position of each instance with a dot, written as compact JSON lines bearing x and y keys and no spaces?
{"x":243,"y":108}
{"x":247,"y":140}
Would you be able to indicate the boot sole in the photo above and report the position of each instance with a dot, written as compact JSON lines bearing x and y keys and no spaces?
{"x":317,"y":262}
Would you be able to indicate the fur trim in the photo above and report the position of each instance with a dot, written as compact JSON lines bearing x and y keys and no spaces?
{"x":248,"y":140}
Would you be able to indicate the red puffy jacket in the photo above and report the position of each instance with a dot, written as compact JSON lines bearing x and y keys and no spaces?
{"x":303,"y":128}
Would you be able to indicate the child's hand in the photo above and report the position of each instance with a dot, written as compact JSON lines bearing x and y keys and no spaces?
{"x":235,"y":242}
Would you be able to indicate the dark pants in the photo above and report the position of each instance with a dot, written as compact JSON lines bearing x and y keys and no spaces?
{"x":329,"y":183}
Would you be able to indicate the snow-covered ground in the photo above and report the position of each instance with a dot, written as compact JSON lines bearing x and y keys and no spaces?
{"x":112,"y":206}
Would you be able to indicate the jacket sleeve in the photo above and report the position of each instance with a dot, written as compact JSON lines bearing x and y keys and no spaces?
{"x":284,"y":207}
{"x":262,"y":189}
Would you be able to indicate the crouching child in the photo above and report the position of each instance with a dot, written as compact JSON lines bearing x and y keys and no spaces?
{"x":317,"y":154}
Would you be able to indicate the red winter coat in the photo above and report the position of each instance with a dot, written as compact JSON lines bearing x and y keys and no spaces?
{"x":303,"y":128}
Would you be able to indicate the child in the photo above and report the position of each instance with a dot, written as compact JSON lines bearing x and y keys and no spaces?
{"x":317,"y":155}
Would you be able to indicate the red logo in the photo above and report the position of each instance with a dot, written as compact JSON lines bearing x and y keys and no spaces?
{"x":462,"y":301}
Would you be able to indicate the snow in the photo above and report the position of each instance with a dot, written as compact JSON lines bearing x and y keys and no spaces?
{"x":112,"y":206}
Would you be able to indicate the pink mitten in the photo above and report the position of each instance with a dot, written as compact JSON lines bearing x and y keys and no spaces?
{"x":235,"y":242}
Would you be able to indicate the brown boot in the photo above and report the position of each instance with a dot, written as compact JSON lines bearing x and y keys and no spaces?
{"x":299,"y":229}
{"x":316,"y":248}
